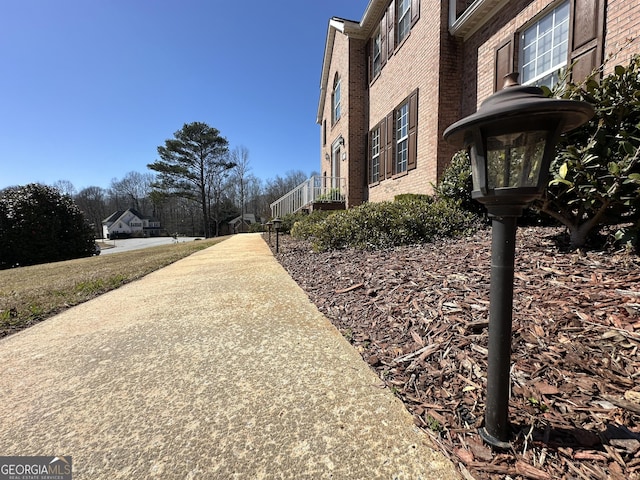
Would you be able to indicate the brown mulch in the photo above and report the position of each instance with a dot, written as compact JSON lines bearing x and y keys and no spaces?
{"x":419,"y":316}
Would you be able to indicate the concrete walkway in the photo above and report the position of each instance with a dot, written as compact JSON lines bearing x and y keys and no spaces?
{"x":215,"y":367}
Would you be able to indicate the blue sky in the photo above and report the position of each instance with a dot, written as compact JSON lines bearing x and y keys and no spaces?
{"x":90,"y":88}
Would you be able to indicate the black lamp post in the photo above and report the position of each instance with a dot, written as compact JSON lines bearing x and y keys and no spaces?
{"x":512,"y":139}
{"x":276,"y":224}
{"x":269,"y":225}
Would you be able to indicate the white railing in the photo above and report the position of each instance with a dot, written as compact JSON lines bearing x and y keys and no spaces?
{"x":314,"y":190}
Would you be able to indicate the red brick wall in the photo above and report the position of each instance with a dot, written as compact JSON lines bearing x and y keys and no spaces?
{"x":622,"y":38}
{"x":339,"y":65}
{"x":356,"y":162}
{"x":414,"y":65}
{"x":348,"y":60}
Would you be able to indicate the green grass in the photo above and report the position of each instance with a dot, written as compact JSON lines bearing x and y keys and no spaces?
{"x":31,"y":294}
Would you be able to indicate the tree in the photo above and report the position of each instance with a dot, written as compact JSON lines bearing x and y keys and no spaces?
{"x":596,"y":172}
{"x":280,"y":186}
{"x":135,"y":187}
{"x":190,"y":163}
{"x":240,"y":156}
{"x":38,"y":224}
{"x":92,"y":202}
{"x":65,"y":187}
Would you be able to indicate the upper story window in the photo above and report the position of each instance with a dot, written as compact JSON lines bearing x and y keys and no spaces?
{"x":395,"y":26}
{"x":402,"y":138}
{"x":544,"y":48}
{"x":336,"y":98}
{"x":376,"y":54}
{"x":404,"y":19}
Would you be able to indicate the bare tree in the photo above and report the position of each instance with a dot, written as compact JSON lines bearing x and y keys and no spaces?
{"x":65,"y":187}
{"x":136,"y":188}
{"x":240,"y":156}
{"x":93,"y":202}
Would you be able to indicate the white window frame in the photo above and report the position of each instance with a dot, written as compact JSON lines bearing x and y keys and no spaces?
{"x":336,"y":100}
{"x":404,"y":19}
{"x":376,"y":55}
{"x":402,"y":138}
{"x":375,"y":155}
{"x":549,"y":45}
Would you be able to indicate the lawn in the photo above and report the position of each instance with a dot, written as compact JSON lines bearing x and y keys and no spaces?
{"x":31,"y":294}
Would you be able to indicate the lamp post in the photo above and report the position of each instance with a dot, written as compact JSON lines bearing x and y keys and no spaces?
{"x":269,"y":225}
{"x":276,"y":224}
{"x":511,"y":141}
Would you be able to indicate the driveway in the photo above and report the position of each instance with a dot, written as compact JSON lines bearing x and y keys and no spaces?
{"x":128,"y":244}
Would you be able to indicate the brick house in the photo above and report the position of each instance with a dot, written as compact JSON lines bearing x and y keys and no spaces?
{"x":394,"y":80}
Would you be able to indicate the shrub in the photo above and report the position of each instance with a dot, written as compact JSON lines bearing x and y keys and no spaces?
{"x":388,"y":224}
{"x":408,"y":197}
{"x":596,"y":173}
{"x":456,"y":184}
{"x":305,"y":226}
{"x":39,"y":225}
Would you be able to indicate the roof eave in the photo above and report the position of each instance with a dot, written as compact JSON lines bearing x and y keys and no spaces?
{"x":474,"y":17}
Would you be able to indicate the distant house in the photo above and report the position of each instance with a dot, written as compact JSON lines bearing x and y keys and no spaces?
{"x":240,"y":225}
{"x":130,"y":223}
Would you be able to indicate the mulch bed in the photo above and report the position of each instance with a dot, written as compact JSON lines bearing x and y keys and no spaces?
{"x":419,"y":316}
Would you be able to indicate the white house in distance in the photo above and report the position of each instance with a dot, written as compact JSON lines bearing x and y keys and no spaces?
{"x":130,"y":223}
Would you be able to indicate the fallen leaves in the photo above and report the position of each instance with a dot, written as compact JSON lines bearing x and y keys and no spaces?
{"x":419,"y":316}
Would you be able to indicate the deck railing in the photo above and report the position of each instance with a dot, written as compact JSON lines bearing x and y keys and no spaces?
{"x":314,"y":190}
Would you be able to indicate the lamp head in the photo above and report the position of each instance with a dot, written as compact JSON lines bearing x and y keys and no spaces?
{"x":511,"y":141}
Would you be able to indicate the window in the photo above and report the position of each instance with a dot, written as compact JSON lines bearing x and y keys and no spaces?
{"x":377,"y":54}
{"x":544,"y":48}
{"x":393,"y":143}
{"x":402,"y":138}
{"x":394,"y":27}
{"x":336,"y":99}
{"x":375,"y":155}
{"x":404,"y":19}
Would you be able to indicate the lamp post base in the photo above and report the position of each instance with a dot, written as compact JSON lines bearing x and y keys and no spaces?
{"x":496,"y":419}
{"x":493,"y":441}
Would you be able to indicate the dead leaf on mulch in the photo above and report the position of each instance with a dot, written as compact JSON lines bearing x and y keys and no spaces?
{"x":419,"y":316}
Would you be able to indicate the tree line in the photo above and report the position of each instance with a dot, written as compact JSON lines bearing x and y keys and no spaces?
{"x":195,"y":186}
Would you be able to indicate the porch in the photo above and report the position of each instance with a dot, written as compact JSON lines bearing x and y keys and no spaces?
{"x":317,"y":193}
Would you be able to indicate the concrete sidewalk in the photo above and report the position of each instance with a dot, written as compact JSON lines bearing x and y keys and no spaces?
{"x":215,"y":367}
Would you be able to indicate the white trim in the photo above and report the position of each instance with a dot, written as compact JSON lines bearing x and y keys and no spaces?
{"x":474,"y":17}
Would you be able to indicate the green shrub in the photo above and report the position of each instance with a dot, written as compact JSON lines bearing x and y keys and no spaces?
{"x":289,"y":220}
{"x":456,"y":184}
{"x":256,"y":227}
{"x":404,"y":197}
{"x":388,"y":224}
{"x":305,"y":226}
{"x":596,"y":172}
{"x":38,"y":224}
